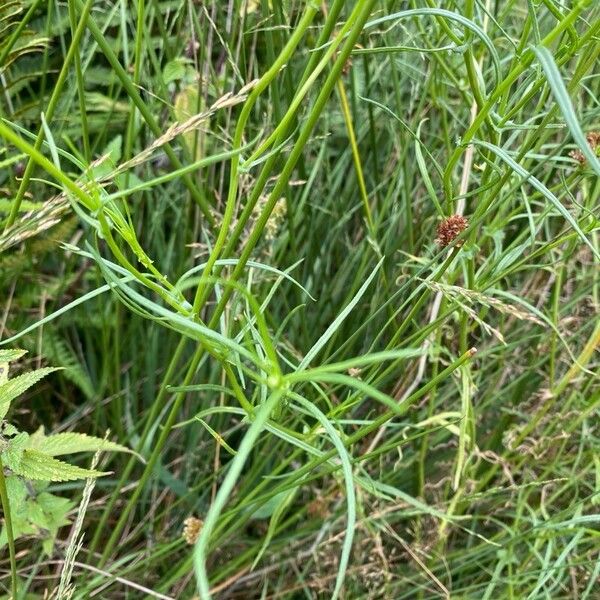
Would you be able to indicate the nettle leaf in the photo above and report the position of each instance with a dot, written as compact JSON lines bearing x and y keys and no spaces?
{"x":70,"y":443}
{"x":10,"y":355}
{"x":35,"y":512}
{"x":13,"y":388}
{"x":21,"y":526}
{"x":16,"y":490}
{"x":7,"y":429}
{"x":36,"y":515}
{"x":55,"y":508}
{"x":7,"y":356}
{"x":12,"y":455}
{"x":39,"y":466}
{"x":17,"y":495}
{"x":175,"y":70}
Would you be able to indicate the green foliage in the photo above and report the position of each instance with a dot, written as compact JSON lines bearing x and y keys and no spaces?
{"x":226,"y":237}
{"x":31,"y":463}
{"x":12,"y":388}
{"x":35,"y":512}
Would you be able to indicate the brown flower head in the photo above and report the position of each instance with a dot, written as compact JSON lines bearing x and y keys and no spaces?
{"x":449,"y":229}
{"x":578,"y":156}
{"x":191,"y":529}
{"x":593,"y":139}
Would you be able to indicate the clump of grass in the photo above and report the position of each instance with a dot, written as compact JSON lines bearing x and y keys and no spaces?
{"x":264,"y":240}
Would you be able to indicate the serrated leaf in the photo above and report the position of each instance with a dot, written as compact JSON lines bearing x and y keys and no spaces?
{"x":8,"y":429}
{"x":38,"y":466}
{"x":55,"y":507}
{"x":70,"y":443}
{"x":36,"y":512}
{"x":21,"y":526}
{"x":36,"y":516}
{"x":10,"y":355}
{"x":13,"y":452}
{"x":12,"y":388}
{"x":16,"y":491}
{"x":174,"y":70}
{"x":7,"y":356}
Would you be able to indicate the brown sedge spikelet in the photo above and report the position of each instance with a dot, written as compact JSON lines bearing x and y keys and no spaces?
{"x":192,"y":527}
{"x":449,"y":229}
{"x":578,"y":156}
{"x":593,"y":140}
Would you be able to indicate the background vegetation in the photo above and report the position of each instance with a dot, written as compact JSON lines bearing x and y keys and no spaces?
{"x":220,"y":219}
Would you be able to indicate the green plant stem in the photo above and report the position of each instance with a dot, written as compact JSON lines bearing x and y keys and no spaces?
{"x":157,"y":406}
{"x":85,"y":134}
{"x":265,"y":80}
{"x":282,"y":181}
{"x":525,"y":60}
{"x":49,"y":114}
{"x":146,"y":113}
{"x":9,"y":531}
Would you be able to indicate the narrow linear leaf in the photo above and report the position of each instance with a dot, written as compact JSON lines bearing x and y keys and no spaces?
{"x":338,"y":320}
{"x":350,"y":494}
{"x":561,"y":95}
{"x":540,"y":187}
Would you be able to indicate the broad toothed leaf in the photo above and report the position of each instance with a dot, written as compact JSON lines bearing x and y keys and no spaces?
{"x":12,"y":453}
{"x":7,"y":356}
{"x":10,"y":355}
{"x":70,"y":443}
{"x":12,"y":388}
{"x":38,"y":466}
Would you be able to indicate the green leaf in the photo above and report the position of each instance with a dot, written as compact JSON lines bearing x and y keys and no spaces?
{"x":16,"y":491}
{"x":10,"y":355}
{"x":12,"y":388}
{"x":42,"y":514}
{"x":70,"y":443}
{"x":274,"y":508}
{"x":38,"y":466}
{"x":55,"y":507}
{"x":267,"y":509}
{"x":7,"y":356}
{"x":112,"y":155}
{"x":540,"y":187}
{"x":174,"y":70}
{"x":17,"y":494}
{"x":561,"y":95}
{"x":338,"y":320}
{"x":114,"y":149}
{"x":36,"y":515}
{"x":13,"y":451}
